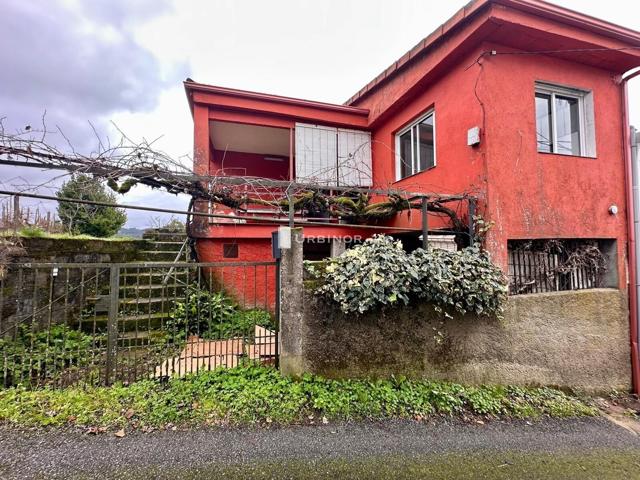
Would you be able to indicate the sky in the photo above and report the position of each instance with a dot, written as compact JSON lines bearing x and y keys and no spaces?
{"x":119,"y":64}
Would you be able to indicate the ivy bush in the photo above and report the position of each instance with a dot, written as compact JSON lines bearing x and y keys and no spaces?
{"x":463,"y":281}
{"x":376,"y":272}
{"x":379,"y":273}
{"x":214,"y":315}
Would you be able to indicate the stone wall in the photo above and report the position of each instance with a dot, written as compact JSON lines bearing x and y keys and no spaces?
{"x":72,"y":250}
{"x":577,"y":339}
{"x":27,"y":288}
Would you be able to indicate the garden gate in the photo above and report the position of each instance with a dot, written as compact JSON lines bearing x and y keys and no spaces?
{"x":100,"y":323}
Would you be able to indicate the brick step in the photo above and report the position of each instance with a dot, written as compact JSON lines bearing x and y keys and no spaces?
{"x":142,"y":305}
{"x":141,"y":337}
{"x":173,"y":289}
{"x":164,"y":236}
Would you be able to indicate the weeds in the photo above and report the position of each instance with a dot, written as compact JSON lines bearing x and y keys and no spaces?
{"x":258,"y":394}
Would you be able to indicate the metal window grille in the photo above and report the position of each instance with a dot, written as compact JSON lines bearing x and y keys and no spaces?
{"x":538,"y":266}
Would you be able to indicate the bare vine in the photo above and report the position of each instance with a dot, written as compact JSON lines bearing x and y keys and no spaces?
{"x":128,"y":163}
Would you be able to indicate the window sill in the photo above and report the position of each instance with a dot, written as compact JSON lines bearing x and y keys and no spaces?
{"x":566,"y":155}
{"x":414,"y":174}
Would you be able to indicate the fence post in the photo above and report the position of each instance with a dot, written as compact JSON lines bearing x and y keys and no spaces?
{"x":425,"y":223}
{"x":112,"y":323}
{"x":16,"y":212}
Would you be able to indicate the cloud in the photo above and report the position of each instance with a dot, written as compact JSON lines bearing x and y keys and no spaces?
{"x":79,"y":62}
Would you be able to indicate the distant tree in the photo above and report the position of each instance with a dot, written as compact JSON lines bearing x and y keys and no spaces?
{"x":95,"y":220}
{"x":174,"y":225}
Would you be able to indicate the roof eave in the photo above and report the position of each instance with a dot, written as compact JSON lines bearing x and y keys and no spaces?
{"x":191,"y":87}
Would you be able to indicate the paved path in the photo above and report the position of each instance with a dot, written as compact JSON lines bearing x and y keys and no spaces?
{"x":584,"y":448}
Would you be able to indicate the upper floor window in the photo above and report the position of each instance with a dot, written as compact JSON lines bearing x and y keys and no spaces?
{"x":564,"y":121}
{"x":416,"y":147}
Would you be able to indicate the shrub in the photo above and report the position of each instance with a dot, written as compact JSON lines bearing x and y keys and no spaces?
{"x":32,"y":232}
{"x":214,"y":315}
{"x":174,"y":225}
{"x":251,"y":394}
{"x":379,"y":272}
{"x":464,"y":281}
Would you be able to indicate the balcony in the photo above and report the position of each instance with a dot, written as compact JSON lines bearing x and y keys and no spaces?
{"x":315,"y":154}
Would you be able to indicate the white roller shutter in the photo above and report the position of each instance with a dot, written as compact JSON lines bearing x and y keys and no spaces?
{"x":316,"y":154}
{"x":354,"y":158}
{"x":332,"y":156}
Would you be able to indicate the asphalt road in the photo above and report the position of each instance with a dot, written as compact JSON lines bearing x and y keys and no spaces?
{"x":581,"y":448}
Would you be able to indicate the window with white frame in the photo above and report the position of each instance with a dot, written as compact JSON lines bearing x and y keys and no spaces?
{"x":416,"y":146}
{"x":564,"y":120}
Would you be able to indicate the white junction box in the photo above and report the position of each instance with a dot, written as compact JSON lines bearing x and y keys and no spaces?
{"x":284,"y":237}
{"x":473,"y":136}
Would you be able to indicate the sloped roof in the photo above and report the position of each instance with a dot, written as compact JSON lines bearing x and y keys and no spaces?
{"x":473,"y":8}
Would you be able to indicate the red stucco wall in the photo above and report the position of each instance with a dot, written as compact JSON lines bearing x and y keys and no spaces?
{"x":249,"y":164}
{"x":528,"y":194}
{"x":459,"y":168}
{"x":252,"y":286}
{"x":538,"y":195}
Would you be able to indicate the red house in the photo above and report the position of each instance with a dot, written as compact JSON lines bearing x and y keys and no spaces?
{"x":521,"y":102}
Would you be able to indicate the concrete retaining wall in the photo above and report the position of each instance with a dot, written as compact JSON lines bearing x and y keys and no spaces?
{"x":576,"y":339}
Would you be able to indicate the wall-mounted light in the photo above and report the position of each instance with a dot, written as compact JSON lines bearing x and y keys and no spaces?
{"x":274,"y":159}
{"x":613,"y":209}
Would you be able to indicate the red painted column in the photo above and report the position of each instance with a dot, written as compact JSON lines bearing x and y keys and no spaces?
{"x":201,"y":163}
{"x":201,"y":140}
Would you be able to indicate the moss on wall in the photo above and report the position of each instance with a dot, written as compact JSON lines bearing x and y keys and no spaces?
{"x":574,"y":339}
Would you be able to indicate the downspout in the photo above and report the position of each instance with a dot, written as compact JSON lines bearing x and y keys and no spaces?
{"x":632,"y":172}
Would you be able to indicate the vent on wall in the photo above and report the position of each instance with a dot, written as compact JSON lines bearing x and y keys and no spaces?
{"x":230,"y":250}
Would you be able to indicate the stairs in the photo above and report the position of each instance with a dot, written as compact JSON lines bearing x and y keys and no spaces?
{"x":147,"y":294}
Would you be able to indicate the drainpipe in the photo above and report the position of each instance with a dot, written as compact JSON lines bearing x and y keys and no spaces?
{"x":632,"y":171}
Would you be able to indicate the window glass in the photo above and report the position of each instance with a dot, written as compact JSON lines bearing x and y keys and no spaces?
{"x":543,"y":122}
{"x":567,"y":125}
{"x":416,"y":147}
{"x":425,"y":141}
{"x":564,"y":121}
{"x":406,"y":156}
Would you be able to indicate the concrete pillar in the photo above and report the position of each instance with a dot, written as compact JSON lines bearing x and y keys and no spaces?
{"x":291,"y":307}
{"x":338,"y":246}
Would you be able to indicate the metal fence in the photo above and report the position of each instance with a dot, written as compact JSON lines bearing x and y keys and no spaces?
{"x":64,"y":324}
{"x":541,"y":266}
